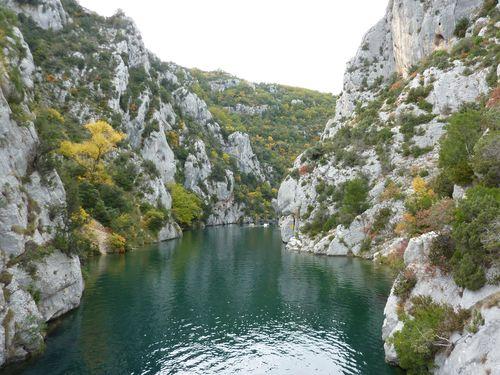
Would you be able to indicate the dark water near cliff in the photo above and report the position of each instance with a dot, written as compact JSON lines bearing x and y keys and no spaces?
{"x":225,"y":300}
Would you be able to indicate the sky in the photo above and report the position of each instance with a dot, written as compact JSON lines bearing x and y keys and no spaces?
{"x":304,"y":43}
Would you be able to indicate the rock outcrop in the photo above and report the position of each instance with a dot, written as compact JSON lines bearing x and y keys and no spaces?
{"x":240,"y":148}
{"x":36,"y":285}
{"x":408,"y":70}
{"x":409,"y":32}
{"x":48,"y":14}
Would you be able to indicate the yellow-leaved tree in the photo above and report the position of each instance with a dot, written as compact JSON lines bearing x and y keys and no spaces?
{"x":89,"y":153}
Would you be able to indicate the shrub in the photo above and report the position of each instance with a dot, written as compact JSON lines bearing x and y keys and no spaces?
{"x":155,"y":220}
{"x":487,"y":7}
{"x":461,"y":27}
{"x":381,"y":219}
{"x":443,"y":185}
{"x":486,"y":160}
{"x":318,"y":224}
{"x":435,"y":217}
{"x":464,"y":130}
{"x":150,"y":168}
{"x":354,"y":200}
{"x":441,"y":251}
{"x":391,"y":191}
{"x":409,"y":121}
{"x":415,"y":95}
{"x":117,"y":243}
{"x":422,"y":198}
{"x":186,"y":206}
{"x":475,"y":232}
{"x":428,"y":332}
{"x":404,"y":284}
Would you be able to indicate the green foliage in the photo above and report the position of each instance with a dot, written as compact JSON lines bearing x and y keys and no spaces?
{"x":488,"y":6}
{"x":424,"y":335}
{"x":443,"y":185}
{"x":461,"y":27}
{"x":486,"y":160}
{"x":463,"y":131}
{"x":415,"y":95}
{"x":475,"y":232}
{"x":155,"y":219}
{"x":350,"y":200}
{"x":409,"y":121}
{"x":381,"y":219}
{"x":441,"y":251}
{"x":186,"y":206}
{"x":404,"y":284}
{"x":354,"y":200}
{"x":291,"y":123}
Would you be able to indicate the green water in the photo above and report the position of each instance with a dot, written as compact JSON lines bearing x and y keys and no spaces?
{"x":226,"y":300}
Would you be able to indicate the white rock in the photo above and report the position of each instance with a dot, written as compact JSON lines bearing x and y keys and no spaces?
{"x":288,"y":227}
{"x":59,"y":279}
{"x":48,"y":14}
{"x":452,"y":89}
{"x":240,"y":148}
{"x":169,"y":232}
{"x":477,"y":353}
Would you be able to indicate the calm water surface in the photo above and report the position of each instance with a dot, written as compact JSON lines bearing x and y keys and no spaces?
{"x":226,"y":300}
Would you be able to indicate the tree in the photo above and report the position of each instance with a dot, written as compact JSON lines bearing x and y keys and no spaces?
{"x":89,"y":154}
{"x":186,"y":206}
{"x":486,"y":160}
{"x":475,"y":232}
{"x":457,"y":146}
{"x":354,"y":200}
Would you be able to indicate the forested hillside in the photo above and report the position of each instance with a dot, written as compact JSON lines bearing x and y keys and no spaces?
{"x":104,"y":148}
{"x":280,"y":120}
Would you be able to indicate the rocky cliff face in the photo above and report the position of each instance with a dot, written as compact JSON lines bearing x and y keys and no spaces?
{"x":38,"y":282}
{"x":409,"y":32}
{"x":63,"y":66}
{"x":349,"y":194}
{"x":35,"y":286}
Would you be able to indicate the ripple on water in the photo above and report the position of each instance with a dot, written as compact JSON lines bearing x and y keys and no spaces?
{"x":223,"y":301}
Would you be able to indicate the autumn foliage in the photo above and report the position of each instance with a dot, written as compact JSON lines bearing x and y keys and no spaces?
{"x":89,"y":154}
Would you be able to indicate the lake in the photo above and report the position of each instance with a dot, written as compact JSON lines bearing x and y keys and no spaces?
{"x":225,"y":300}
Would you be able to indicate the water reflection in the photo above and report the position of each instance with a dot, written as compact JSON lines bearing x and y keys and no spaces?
{"x":223,"y":301}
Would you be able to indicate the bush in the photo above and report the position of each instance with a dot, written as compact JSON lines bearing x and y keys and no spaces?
{"x":487,"y":7}
{"x":424,"y":335}
{"x":443,"y":185}
{"x":461,"y":28}
{"x":441,"y":251}
{"x":381,"y":220}
{"x":422,"y":198}
{"x":354,"y":200}
{"x":404,"y":284}
{"x":186,"y":206}
{"x":409,"y":121}
{"x":155,"y":220}
{"x":464,"y":130}
{"x":486,"y":160}
{"x":418,"y":94}
{"x":117,"y":243}
{"x":475,"y":232}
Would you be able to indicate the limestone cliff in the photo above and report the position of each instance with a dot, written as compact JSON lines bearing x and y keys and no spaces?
{"x":352,"y":194}
{"x":64,"y":66}
{"x":35,"y":286}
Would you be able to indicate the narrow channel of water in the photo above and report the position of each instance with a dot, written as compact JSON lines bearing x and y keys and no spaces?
{"x":227,"y":300}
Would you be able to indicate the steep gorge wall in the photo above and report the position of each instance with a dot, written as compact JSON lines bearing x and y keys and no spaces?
{"x":63,"y":66}
{"x":397,"y":99}
{"x":33,"y":289}
{"x":410,"y":31}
